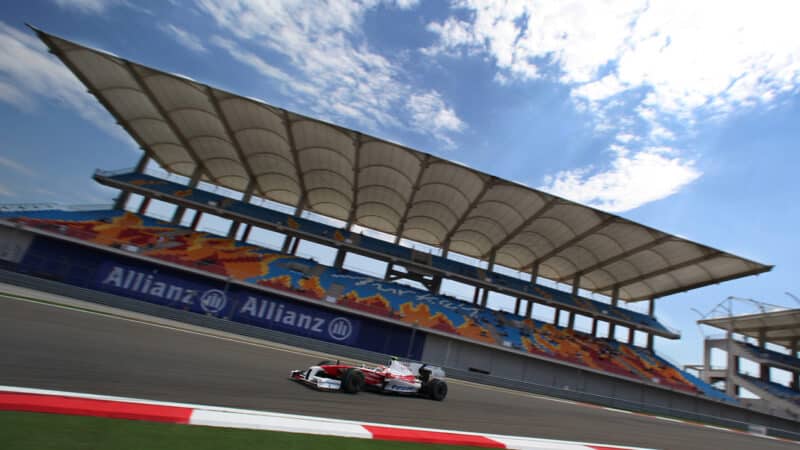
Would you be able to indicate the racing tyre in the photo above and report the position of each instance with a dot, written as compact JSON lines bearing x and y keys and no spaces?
{"x":352,"y":381}
{"x":437,"y":390}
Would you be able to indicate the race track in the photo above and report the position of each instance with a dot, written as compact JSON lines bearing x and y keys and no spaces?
{"x":44,"y":346}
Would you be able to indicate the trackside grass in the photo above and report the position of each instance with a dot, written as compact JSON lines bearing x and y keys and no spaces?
{"x":35,"y":431}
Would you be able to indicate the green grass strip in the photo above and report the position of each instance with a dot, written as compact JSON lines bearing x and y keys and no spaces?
{"x":35,"y":431}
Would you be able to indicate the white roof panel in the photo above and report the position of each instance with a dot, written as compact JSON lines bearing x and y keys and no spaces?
{"x":237,"y":142}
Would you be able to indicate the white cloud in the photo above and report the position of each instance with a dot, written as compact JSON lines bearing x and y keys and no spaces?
{"x":428,"y":110}
{"x":633,"y":179}
{"x":185,"y":38}
{"x":652,"y":62}
{"x":86,"y":6}
{"x":331,"y":69}
{"x":5,"y":192}
{"x":99,"y":7}
{"x":15,"y":166}
{"x":406,"y":4}
{"x":28,"y":73}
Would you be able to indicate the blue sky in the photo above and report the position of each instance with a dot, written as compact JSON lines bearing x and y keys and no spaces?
{"x":680,"y":115}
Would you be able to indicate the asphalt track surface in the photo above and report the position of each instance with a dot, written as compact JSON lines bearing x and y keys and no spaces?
{"x":49,"y":347}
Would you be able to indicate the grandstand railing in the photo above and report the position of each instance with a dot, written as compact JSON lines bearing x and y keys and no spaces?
{"x":496,"y":281}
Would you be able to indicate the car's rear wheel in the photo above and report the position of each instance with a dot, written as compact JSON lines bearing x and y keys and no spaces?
{"x":352,"y":381}
{"x":436,"y":390}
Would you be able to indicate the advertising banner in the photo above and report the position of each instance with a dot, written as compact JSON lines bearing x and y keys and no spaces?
{"x":156,"y":286}
{"x":272,"y":312}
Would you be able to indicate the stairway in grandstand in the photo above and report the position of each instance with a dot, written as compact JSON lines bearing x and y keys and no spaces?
{"x":159,"y":240}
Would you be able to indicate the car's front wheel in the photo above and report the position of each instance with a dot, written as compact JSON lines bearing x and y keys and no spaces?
{"x":352,"y":381}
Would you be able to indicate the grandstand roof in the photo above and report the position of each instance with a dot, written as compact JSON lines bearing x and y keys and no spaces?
{"x":240,"y":143}
{"x":779,"y":327}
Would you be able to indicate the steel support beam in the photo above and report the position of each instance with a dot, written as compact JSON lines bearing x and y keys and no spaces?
{"x":612,"y":327}
{"x":124,"y":196}
{"x":248,"y":194}
{"x":246,"y":234}
{"x":196,"y":219}
{"x":517,"y":305}
{"x":143,"y":207}
{"x":193,"y":182}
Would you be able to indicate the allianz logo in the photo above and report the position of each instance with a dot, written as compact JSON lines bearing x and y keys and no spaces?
{"x":339,"y":328}
{"x":211,"y":301}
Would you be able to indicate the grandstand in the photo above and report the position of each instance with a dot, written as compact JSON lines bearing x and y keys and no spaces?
{"x":749,"y":337}
{"x":202,"y":136}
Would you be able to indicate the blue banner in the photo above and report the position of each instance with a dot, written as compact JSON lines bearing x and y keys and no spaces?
{"x":164,"y":288}
{"x":271,"y":312}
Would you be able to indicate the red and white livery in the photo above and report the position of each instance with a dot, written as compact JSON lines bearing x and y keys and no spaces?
{"x":398,"y":377}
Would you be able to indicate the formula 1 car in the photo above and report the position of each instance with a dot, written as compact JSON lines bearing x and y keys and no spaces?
{"x":398,"y":377}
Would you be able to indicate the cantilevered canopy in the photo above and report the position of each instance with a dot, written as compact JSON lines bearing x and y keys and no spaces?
{"x":777,"y":327}
{"x":239,"y":143}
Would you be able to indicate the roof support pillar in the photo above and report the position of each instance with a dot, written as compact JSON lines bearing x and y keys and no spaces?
{"x":437,"y":285}
{"x":122,"y":198}
{"x":489,"y":269}
{"x":196,"y":219}
{"x":793,"y":347}
{"x":529,"y":309}
{"x":557,"y":319}
{"x":763,"y":369}
{"x":594,"y":326}
{"x":575,"y":285}
{"x":295,"y":244}
{"x":651,"y":307}
{"x":248,"y":194}
{"x":630,"y":335}
{"x":246,"y":234}
{"x":517,"y":304}
{"x":287,"y":243}
{"x":389,"y":268}
{"x":571,"y":320}
{"x":143,"y":207}
{"x":475,"y":296}
{"x":193,"y":182}
{"x":612,"y":327}
{"x":534,"y":273}
{"x":484,"y":297}
{"x":650,"y":341}
{"x":340,"y":255}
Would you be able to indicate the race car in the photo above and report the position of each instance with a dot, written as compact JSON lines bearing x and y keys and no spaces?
{"x":397,"y":377}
